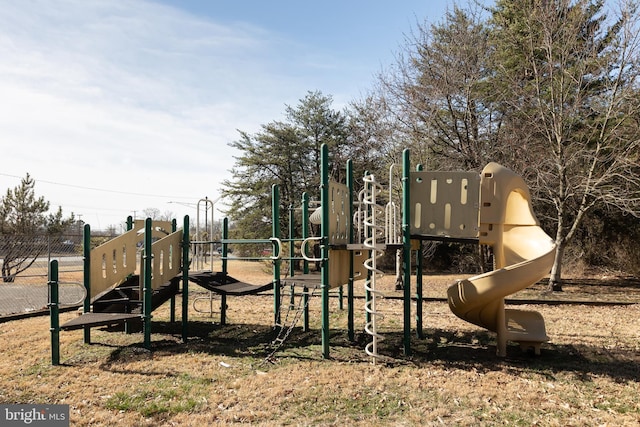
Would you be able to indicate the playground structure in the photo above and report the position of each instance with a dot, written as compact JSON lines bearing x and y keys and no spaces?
{"x":493,"y":208}
{"x":115,"y":294}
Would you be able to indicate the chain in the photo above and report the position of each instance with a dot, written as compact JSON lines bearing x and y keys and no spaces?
{"x":280,"y":339}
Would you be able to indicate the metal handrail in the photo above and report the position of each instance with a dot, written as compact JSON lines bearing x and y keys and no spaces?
{"x":303,"y":249}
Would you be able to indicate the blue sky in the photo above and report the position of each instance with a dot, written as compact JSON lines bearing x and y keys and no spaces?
{"x":117,"y":106}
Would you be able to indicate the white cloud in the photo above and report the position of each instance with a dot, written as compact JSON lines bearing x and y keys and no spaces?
{"x":131,"y":96}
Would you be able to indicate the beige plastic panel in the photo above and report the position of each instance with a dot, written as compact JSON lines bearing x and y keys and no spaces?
{"x":504,"y":199}
{"x":339,"y":221}
{"x":444,"y":204}
{"x":112,"y":262}
{"x":166,"y":259}
{"x":116,"y":259}
{"x":339,"y":266}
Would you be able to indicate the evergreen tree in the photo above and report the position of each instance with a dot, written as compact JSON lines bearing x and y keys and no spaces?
{"x":23,"y":215}
{"x":284,"y":153}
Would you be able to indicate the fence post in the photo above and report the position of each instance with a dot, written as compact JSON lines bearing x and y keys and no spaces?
{"x":54,"y":312}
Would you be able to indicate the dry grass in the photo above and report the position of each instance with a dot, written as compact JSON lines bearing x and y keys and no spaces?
{"x":589,"y":374}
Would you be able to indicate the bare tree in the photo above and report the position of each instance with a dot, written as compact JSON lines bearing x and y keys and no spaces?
{"x":569,"y":76}
{"x":440,"y":93}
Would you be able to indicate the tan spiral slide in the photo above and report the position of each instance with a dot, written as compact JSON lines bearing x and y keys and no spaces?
{"x":523,"y":254}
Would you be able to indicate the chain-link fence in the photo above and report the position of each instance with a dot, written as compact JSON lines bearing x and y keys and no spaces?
{"x":24,"y":263}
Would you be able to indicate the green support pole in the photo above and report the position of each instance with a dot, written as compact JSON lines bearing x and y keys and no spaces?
{"x":172,"y":309}
{"x":305,"y":263}
{"x":419,"y":298}
{"x":350,"y":308}
{"x":324,"y":202}
{"x":223,"y":309}
{"x":367,"y":292}
{"x":54,"y":312}
{"x":127,"y":324}
{"x":275,"y":231}
{"x":86,"y":274}
{"x":225,"y":253}
{"x":225,"y":246}
{"x":292,"y":221}
{"x":172,"y":301}
{"x":406,"y":245}
{"x":147,"y":291}
{"x":292,"y":267}
{"x":185,"y":279}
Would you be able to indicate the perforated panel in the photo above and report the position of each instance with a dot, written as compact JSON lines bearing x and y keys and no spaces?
{"x":339,"y":221}
{"x":444,"y":204}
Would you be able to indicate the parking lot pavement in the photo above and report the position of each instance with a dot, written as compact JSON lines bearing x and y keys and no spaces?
{"x":15,"y":299}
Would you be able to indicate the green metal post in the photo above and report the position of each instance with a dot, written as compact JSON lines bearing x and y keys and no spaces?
{"x":275,"y":231}
{"x":185,"y":279}
{"x":86,"y":274}
{"x":292,"y":266}
{"x":419,"y":299}
{"x":324,"y":202}
{"x":127,"y":324}
{"x":305,"y":263}
{"x":406,"y":245}
{"x":225,"y":246}
{"x":147,"y":291}
{"x":172,"y":301}
{"x":225,"y":253}
{"x":223,"y":309}
{"x":350,"y":308}
{"x":292,"y":220}
{"x":54,"y":313}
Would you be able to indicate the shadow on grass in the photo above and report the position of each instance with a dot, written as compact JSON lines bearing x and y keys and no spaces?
{"x":448,"y":348}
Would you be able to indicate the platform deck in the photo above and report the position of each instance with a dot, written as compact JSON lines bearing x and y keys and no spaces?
{"x":98,"y":319}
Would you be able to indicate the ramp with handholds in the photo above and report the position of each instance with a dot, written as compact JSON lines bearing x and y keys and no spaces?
{"x":523,"y":255}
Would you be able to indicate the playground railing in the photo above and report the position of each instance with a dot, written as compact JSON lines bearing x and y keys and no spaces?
{"x":116,"y":260}
{"x":276,"y":245}
{"x":304,"y":247}
{"x":166,"y":259}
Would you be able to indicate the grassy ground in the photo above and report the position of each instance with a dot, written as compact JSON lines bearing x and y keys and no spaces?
{"x":589,"y":374}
